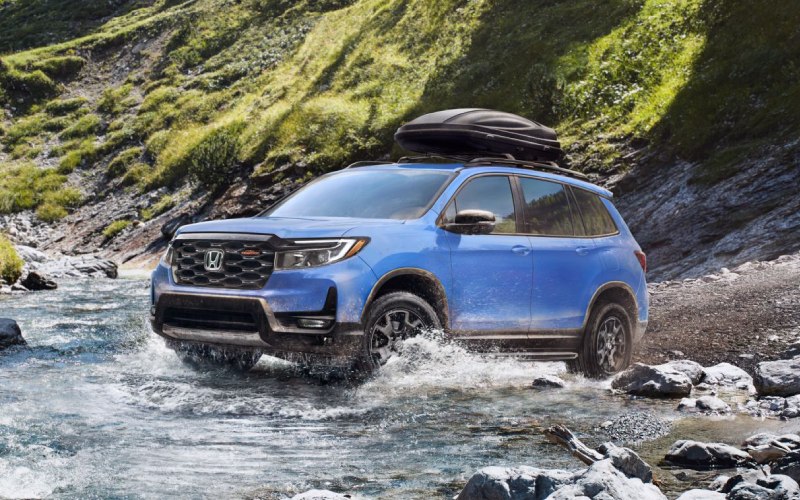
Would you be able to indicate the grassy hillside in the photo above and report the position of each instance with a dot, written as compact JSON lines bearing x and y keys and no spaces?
{"x":141,"y":96}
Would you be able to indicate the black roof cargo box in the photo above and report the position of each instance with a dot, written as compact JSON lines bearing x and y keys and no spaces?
{"x":479,"y":132}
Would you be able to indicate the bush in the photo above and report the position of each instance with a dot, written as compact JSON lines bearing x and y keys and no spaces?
{"x":64,"y":197}
{"x":87,"y":125}
{"x":113,"y":100}
{"x":119,"y":165}
{"x":84,"y":154}
{"x":60,"y":67}
{"x":10,"y":262}
{"x":115,"y":228}
{"x":136,"y":175}
{"x":211,"y":161}
{"x":50,"y":212}
{"x":61,"y":107}
{"x":165,"y":203}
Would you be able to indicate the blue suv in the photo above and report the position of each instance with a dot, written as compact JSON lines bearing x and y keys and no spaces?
{"x":508,"y":257}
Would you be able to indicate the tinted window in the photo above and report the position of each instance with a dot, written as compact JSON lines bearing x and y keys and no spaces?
{"x":547,"y":208}
{"x":493,"y":194}
{"x":370,"y":194}
{"x":596,"y":218}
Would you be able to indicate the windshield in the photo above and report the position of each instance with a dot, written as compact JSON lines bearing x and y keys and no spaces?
{"x":369,"y":194}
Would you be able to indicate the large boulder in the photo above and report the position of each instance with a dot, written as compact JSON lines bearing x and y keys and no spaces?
{"x":788,"y":465}
{"x":778,"y":378}
{"x":511,"y":483}
{"x":726,"y":374}
{"x":604,"y":481}
{"x":660,"y":381}
{"x":690,"y":368}
{"x":774,"y":487}
{"x":704,"y":456}
{"x":38,"y":281}
{"x":10,"y":333}
{"x":627,"y":461}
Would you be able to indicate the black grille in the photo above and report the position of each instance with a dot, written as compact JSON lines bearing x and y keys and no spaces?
{"x":245,"y":264}
{"x":208,"y":319}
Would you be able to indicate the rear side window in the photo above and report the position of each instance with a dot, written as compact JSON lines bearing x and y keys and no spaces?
{"x":596,"y":219}
{"x":547,"y":210}
{"x":491,"y":193}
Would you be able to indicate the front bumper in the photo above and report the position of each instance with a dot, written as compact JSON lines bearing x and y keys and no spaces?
{"x":217,"y":320}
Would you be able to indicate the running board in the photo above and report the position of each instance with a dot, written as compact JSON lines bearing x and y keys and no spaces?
{"x":536,"y":356}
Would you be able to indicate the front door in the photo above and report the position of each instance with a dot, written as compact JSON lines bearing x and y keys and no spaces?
{"x":492,"y":273}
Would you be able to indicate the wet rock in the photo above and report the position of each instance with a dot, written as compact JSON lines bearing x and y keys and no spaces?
{"x":726,"y":374}
{"x":792,"y":351}
{"x":30,"y":254}
{"x":791,"y":407}
{"x":712,"y":404}
{"x":704,"y":456}
{"x":17,"y":287}
{"x":748,"y":476}
{"x":766,"y":447}
{"x":701,"y":495}
{"x":788,"y":465}
{"x":501,"y":483}
{"x":10,"y":333}
{"x":38,"y":281}
{"x":548,"y":382}
{"x":718,"y":483}
{"x":691,"y":369}
{"x":601,"y":481}
{"x":319,"y":495}
{"x":687,"y":404}
{"x":604,"y":481}
{"x":660,"y":381}
{"x":627,"y":462}
{"x":778,"y":378}
{"x":775,"y":487}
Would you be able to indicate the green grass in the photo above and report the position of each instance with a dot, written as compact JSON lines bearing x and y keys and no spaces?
{"x":10,"y":262}
{"x":115,"y":228}
{"x":246,"y":86}
{"x":162,"y":205}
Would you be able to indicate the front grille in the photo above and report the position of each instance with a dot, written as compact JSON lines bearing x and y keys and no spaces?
{"x":208,"y":319}
{"x":239,"y":270}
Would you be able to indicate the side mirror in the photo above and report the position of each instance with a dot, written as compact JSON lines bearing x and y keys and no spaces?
{"x":472,"y":222}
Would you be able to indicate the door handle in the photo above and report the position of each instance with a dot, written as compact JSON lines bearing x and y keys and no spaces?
{"x":521,"y":250}
{"x":582,"y":250}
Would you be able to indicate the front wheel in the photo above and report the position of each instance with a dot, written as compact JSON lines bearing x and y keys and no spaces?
{"x":607,"y":342}
{"x":208,"y":357}
{"x":391,"y":319}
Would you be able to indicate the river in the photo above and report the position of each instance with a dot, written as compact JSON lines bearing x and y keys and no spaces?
{"x":97,"y":407}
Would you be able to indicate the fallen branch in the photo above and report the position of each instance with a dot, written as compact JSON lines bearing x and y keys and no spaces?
{"x":559,"y":434}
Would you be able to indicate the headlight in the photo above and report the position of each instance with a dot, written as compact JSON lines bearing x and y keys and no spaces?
{"x":312,"y":253}
{"x":166,"y":259}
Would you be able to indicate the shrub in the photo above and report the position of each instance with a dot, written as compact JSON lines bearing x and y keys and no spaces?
{"x":212,"y":159}
{"x":60,"y":67}
{"x":113,"y":100}
{"x":10,"y":262}
{"x":64,"y":197}
{"x":165,"y":203}
{"x":86,"y":125}
{"x":50,"y":212}
{"x":60,"y":107}
{"x":115,"y":228}
{"x":136,"y":175}
{"x":119,"y":165}
{"x":83,"y":155}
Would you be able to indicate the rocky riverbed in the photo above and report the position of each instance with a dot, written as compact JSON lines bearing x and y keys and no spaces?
{"x":95,"y":406}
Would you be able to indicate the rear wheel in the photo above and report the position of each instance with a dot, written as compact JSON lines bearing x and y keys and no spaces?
{"x":206,"y":357}
{"x":391,"y":319}
{"x":607,"y":343}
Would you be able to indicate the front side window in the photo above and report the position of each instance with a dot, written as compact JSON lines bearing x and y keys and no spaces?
{"x":596,"y":219}
{"x":368,"y":194}
{"x":490,"y":193}
{"x":547,"y":211}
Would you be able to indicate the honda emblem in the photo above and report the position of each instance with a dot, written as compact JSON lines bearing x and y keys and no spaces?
{"x":213,"y":260}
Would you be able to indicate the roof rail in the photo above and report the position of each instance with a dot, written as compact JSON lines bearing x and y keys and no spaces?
{"x":531,"y":165}
{"x":367,"y":163}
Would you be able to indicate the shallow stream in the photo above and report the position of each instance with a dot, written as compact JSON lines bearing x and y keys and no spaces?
{"x":98,"y":407}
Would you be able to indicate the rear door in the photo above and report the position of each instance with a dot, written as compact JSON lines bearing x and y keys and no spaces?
{"x":492,"y":273}
{"x":564,"y":259}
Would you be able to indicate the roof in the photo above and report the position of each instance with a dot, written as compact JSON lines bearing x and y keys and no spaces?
{"x":506,"y":169}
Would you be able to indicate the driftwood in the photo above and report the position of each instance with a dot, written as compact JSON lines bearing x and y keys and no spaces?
{"x":559,"y":434}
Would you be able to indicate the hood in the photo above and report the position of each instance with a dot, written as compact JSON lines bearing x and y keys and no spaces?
{"x":333,"y":227}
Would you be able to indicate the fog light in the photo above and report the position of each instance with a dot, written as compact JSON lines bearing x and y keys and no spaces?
{"x":313,"y":323}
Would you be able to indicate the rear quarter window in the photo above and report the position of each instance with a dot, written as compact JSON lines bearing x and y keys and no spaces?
{"x":596,"y":219}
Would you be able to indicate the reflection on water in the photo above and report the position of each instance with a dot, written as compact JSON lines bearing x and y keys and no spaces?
{"x":97,"y":406}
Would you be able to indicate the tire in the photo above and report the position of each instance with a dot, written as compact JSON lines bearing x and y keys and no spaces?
{"x":607,"y":347}
{"x":203,"y":357}
{"x":409,"y":316}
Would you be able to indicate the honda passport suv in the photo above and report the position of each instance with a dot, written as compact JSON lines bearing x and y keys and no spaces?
{"x":509,"y":257}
